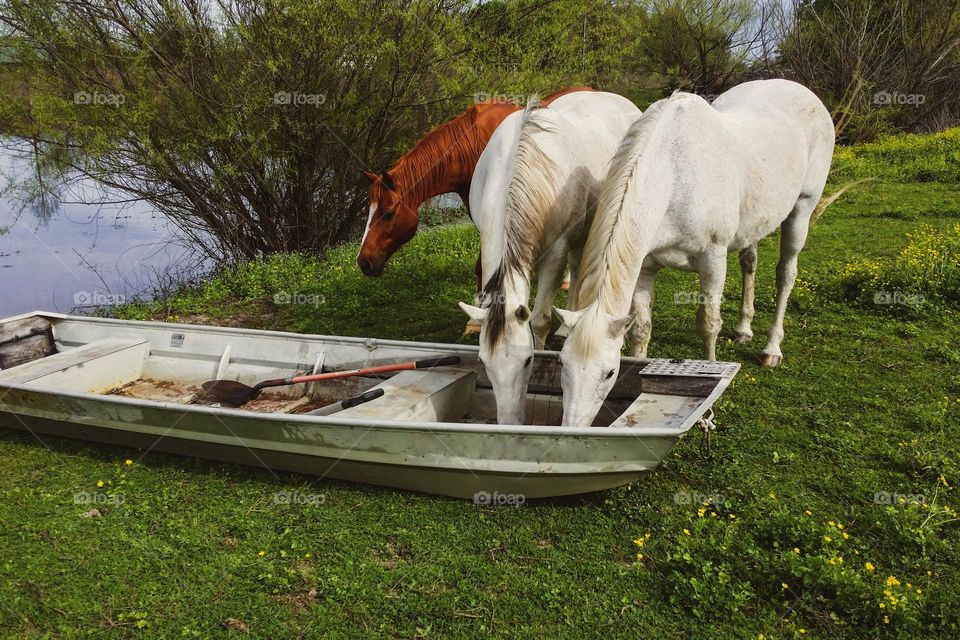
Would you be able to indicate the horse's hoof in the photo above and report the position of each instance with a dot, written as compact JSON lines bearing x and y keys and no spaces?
{"x":741,"y":338}
{"x":472,"y":327}
{"x":770,"y":360}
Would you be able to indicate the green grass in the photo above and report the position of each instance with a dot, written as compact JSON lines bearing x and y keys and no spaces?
{"x":866,"y":402}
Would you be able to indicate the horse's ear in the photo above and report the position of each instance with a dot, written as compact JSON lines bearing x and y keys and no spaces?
{"x":388,"y":181}
{"x":476,"y":313}
{"x":619,"y":326}
{"x":568,"y":318}
{"x":522,"y":313}
{"x":372,"y":177}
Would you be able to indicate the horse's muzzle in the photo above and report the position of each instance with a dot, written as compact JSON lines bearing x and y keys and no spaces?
{"x":370,"y":267}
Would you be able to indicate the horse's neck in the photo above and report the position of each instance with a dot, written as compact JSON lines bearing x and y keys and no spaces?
{"x":644,"y":208}
{"x":445,"y":159}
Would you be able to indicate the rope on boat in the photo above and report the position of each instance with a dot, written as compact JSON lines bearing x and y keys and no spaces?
{"x":706,"y":425}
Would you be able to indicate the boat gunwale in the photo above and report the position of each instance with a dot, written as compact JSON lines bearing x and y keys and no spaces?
{"x":723,"y":381}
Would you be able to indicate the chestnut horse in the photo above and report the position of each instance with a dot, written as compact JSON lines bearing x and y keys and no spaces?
{"x":442,"y":161}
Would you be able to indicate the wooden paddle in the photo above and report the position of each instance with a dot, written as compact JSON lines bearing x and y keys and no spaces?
{"x":237,"y":394}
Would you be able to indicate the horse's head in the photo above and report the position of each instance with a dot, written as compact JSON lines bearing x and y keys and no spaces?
{"x":590,"y":361}
{"x":392,"y":222}
{"x":506,"y":351}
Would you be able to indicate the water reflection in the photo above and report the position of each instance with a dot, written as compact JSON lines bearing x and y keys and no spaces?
{"x":58,"y":252}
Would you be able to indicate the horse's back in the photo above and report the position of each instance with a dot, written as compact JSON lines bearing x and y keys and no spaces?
{"x":784,"y":147}
{"x":785,"y":108}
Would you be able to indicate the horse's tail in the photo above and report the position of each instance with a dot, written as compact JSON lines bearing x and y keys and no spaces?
{"x":826,"y":201}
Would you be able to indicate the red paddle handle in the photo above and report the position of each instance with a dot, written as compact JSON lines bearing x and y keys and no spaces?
{"x":385,"y":368}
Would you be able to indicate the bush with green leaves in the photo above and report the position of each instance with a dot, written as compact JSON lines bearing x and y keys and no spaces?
{"x":925,"y":274}
{"x":903,"y":157}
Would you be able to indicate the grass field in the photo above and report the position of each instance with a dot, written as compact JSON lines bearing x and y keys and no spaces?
{"x":827,"y":509}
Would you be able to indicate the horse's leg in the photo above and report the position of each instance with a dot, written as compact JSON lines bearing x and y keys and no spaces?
{"x":712,"y":267}
{"x":748,"y":265}
{"x":642,"y":327}
{"x":548,"y":281}
{"x":473,"y":326}
{"x":573,"y":260}
{"x":793,"y":235}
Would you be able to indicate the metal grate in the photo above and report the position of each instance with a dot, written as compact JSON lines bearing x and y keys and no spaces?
{"x":689,"y":368}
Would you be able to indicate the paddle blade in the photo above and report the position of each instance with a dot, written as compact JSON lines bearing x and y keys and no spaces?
{"x":228,"y":392}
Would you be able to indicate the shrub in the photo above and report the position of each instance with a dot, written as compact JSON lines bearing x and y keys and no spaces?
{"x":925,"y":273}
{"x":903,"y":157}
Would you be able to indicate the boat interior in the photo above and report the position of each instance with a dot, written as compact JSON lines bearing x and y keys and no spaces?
{"x":169,"y":363}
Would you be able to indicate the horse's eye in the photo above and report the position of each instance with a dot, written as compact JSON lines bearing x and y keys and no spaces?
{"x":387,"y":216}
{"x":529,"y":360}
{"x":609,"y":374}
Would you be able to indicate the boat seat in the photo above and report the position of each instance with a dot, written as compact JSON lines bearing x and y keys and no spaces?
{"x":658,"y":409}
{"x":429,"y":395}
{"x":95,"y":367}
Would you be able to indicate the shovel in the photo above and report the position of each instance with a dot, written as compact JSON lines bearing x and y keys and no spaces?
{"x":237,"y":394}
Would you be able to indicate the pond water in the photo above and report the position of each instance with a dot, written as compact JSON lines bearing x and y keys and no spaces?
{"x":71,"y":253}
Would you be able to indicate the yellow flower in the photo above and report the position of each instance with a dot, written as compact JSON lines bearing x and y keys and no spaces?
{"x":796,"y":550}
{"x":128,"y":462}
{"x":99,"y":483}
{"x":886,"y":620}
{"x":261,"y":553}
{"x":772,"y":495}
{"x":827,"y":538}
{"x":641,"y":540}
{"x":639,"y":556}
{"x":308,"y":555}
{"x":732,"y":517}
{"x":700,"y":512}
{"x":784,"y":585}
{"x":868,"y":566}
{"x":846,"y":536}
{"x":808,"y":512}
{"x":892,"y":582}
{"x":832,"y":523}
{"x":686,"y":532}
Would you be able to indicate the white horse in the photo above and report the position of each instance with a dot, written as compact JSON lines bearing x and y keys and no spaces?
{"x":533,"y":194}
{"x":689,"y":183}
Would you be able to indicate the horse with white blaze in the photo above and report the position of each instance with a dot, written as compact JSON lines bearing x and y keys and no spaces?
{"x":689,"y":183}
{"x":534,"y":192}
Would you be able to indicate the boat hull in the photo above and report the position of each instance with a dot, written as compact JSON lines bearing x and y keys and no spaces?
{"x":71,"y":393}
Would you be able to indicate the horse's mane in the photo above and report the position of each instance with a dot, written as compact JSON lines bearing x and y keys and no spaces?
{"x":531,"y":197}
{"x":458,"y":139}
{"x":610,"y":243}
